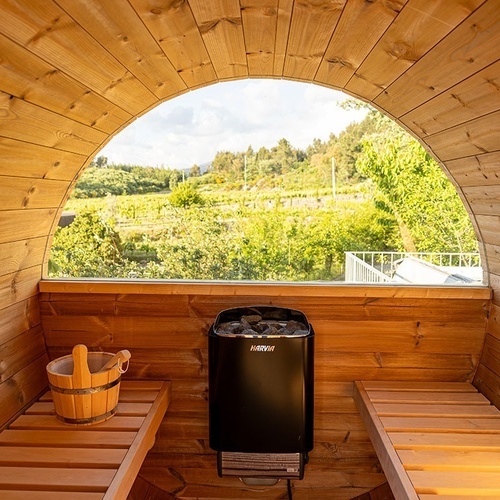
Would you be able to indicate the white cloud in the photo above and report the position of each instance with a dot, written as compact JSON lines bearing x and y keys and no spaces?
{"x":192,"y":127}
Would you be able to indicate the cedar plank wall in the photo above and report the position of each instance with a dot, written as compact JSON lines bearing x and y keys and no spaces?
{"x":361,"y":333}
{"x":23,"y":356}
{"x":73,"y":73}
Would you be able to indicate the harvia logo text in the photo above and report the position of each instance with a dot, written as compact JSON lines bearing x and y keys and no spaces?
{"x":262,"y":348}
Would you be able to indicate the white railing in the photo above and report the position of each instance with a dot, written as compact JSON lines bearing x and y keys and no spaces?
{"x":358,"y":271}
{"x":378,"y":267}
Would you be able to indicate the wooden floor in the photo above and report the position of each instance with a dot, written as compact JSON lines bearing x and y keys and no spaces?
{"x":43,"y":458}
{"x":434,"y":440}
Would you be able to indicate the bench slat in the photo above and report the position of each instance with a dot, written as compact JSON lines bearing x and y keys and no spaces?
{"x":452,"y":483}
{"x":449,"y":411}
{"x":429,"y":424}
{"x":400,"y":483}
{"x":430,"y":397}
{"x":49,"y":495}
{"x":48,"y":422}
{"x":67,"y":439}
{"x":56,"y":479}
{"x":42,"y":456}
{"x":418,"y":386}
{"x":436,"y":443}
{"x":451,"y":460}
{"x":29,"y":456}
{"x":123,"y":409}
{"x":445,"y":441}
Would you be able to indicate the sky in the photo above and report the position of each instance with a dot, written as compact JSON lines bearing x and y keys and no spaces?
{"x":230,"y":116}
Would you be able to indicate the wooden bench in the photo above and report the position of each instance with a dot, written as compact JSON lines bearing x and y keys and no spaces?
{"x":435,"y":441}
{"x":43,"y":458}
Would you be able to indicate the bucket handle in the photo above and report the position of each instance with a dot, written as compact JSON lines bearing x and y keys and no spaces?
{"x":121,"y":364}
{"x":119,"y":359}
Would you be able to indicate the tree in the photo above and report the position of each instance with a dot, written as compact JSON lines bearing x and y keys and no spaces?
{"x":185,"y":195}
{"x":89,"y":247}
{"x":411,"y":186}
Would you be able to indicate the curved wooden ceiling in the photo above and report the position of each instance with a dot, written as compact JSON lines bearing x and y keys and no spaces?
{"x":74,"y":72}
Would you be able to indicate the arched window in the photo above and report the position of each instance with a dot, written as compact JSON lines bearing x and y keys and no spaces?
{"x":266,"y":180}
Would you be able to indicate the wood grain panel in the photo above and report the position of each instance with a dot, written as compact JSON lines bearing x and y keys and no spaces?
{"x":24,"y":121}
{"x":358,"y":31}
{"x":18,"y":318}
{"x":18,"y":193}
{"x":470,"y":99}
{"x":282,"y":32}
{"x":25,"y":224}
{"x":27,"y":77}
{"x":19,"y":286}
{"x":407,"y":39}
{"x":47,"y":31}
{"x":175,"y":30}
{"x":22,"y":254}
{"x":466,"y":50}
{"x":126,"y":37}
{"x":22,"y":388}
{"x":491,"y":354}
{"x":221,"y":28}
{"x":494,"y":320}
{"x":490,"y":232}
{"x":488,"y":382}
{"x":475,"y":137}
{"x":20,"y":351}
{"x":478,"y":170}
{"x":484,"y":200}
{"x":259,"y":19}
{"x":311,"y":28}
{"x":29,"y":160}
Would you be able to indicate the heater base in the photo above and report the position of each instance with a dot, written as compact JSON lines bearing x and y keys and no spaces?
{"x":261,"y":465}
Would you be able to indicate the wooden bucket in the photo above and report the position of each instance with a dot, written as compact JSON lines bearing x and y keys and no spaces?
{"x":83,"y":392}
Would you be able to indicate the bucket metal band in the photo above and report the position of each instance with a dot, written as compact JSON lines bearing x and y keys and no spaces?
{"x":86,"y":390}
{"x":89,"y":420}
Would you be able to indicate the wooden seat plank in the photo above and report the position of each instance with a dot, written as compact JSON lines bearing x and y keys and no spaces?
{"x":42,"y":458}
{"x":126,"y":396}
{"x":453,"y":483}
{"x":418,"y":386}
{"x":426,"y":410}
{"x":123,"y":409}
{"x":29,"y":456}
{"x":456,"y":497}
{"x":450,"y":398}
{"x":436,"y":443}
{"x":49,"y":495}
{"x":48,"y":422}
{"x":56,"y":479}
{"x":447,"y":441}
{"x":67,"y":439}
{"x":452,"y":460}
{"x":429,"y":424}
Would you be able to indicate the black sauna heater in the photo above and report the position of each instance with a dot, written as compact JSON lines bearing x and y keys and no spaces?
{"x":261,"y":393}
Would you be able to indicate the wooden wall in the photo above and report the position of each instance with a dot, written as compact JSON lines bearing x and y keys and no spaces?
{"x":23,"y":356}
{"x":383,"y":333}
{"x":487,"y":378}
{"x":432,"y":66}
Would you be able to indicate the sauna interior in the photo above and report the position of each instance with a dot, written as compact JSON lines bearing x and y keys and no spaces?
{"x":73,"y":73}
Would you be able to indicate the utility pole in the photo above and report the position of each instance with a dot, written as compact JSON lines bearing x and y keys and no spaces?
{"x":245,"y":174}
{"x":334,"y":194}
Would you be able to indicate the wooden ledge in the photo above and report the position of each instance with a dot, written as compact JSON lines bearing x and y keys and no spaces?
{"x":42,"y":458}
{"x":260,"y":289}
{"x":434,"y":440}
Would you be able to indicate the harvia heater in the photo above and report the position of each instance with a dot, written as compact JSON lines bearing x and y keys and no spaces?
{"x":261,"y":390}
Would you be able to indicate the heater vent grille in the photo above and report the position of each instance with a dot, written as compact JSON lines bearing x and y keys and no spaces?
{"x":277,"y":465}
